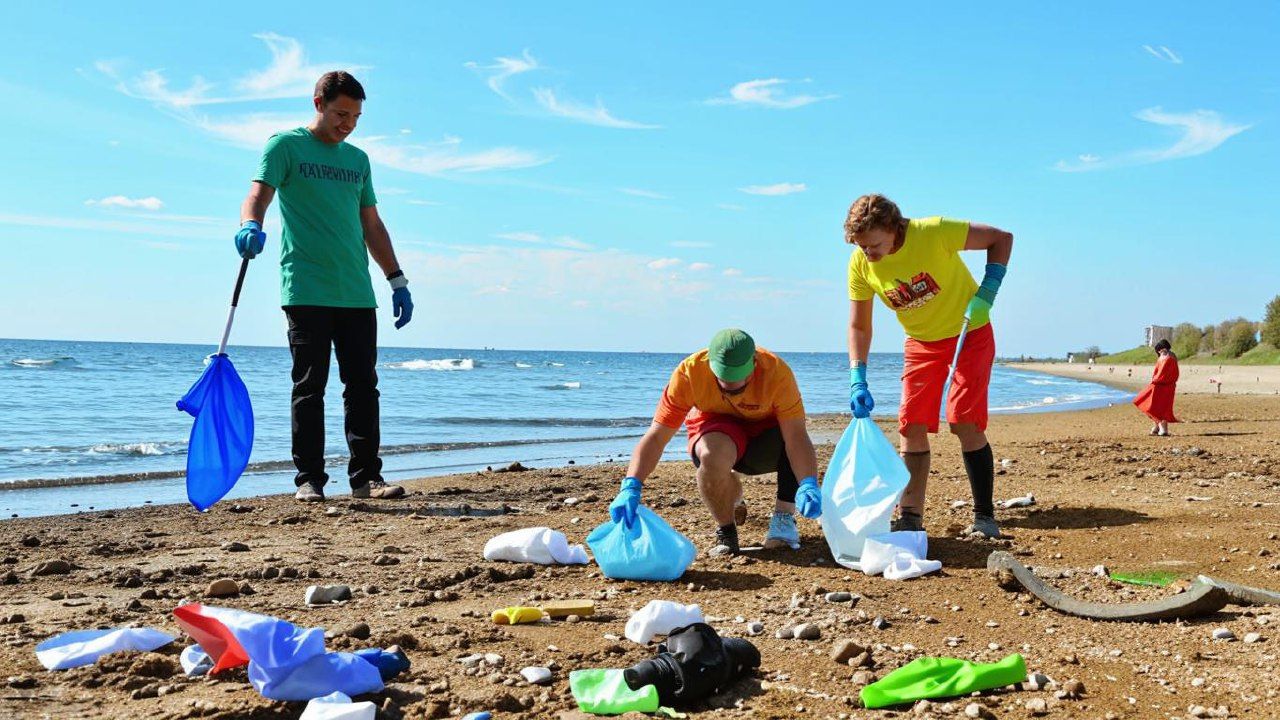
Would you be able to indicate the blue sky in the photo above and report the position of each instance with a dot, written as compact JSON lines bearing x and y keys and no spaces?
{"x":635,"y":177}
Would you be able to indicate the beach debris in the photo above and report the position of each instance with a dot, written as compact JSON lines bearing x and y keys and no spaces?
{"x":569,"y":608}
{"x":1223,"y":634}
{"x":694,"y":663}
{"x":879,"y":623}
{"x":1024,"y":501}
{"x":606,"y":692}
{"x":223,"y":587}
{"x":285,"y":662}
{"x":84,"y":647}
{"x":318,"y":595}
{"x":338,"y":706}
{"x":195,"y":661}
{"x":482,"y":715}
{"x":646,"y":549}
{"x":1037,"y":681}
{"x":1243,"y":594}
{"x":660,"y":617}
{"x":807,"y":631}
{"x":1200,"y":599}
{"x":513,"y":467}
{"x":863,"y":483}
{"x":838,"y":597}
{"x":535,"y":675}
{"x":929,"y":678}
{"x":897,"y":555}
{"x":755,"y":627}
{"x":540,"y":545}
{"x":516,"y":615}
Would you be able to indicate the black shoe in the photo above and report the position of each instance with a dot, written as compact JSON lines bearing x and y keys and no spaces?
{"x":309,"y":492}
{"x":726,"y":542}
{"x":909,"y":521}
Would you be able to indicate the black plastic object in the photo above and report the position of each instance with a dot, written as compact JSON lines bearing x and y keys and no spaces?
{"x":694,"y":663}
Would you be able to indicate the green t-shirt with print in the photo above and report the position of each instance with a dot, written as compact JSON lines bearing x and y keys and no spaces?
{"x":322,"y":187}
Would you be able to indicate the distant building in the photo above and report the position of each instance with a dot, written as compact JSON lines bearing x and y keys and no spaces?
{"x":1156,"y":333}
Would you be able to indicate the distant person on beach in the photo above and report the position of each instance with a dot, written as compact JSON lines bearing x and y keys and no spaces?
{"x":914,"y":266}
{"x":329,"y":229}
{"x":1156,"y":399}
{"x":744,"y":414}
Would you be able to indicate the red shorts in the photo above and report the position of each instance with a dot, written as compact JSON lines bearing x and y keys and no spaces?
{"x":925,"y":372}
{"x":739,"y":430}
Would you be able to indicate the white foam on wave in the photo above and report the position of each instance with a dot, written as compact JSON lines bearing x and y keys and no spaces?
{"x":1038,"y":381}
{"x":572,"y":385}
{"x":140,"y":449}
{"x":523,"y":366}
{"x":39,"y":362}
{"x":444,"y":364}
{"x":552,"y":363}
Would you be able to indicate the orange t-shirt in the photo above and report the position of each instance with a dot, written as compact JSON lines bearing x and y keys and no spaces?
{"x":771,"y":393}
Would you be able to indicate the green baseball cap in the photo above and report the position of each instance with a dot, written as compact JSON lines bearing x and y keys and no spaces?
{"x":732,"y":354}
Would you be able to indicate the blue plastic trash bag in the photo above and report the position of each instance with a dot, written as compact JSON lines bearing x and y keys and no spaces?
{"x":84,"y":647}
{"x":222,"y":435}
{"x":862,"y":486}
{"x":648,"y":549}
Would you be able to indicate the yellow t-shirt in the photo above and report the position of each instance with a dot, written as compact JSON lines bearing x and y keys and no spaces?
{"x":924,"y":282}
{"x":771,"y":394}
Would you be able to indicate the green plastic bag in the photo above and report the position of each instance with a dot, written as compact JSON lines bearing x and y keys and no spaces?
{"x":605,"y":692}
{"x":928,"y":678}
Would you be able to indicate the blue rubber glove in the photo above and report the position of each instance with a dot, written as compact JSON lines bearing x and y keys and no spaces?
{"x":623,"y":507}
{"x":250,"y":240}
{"x":809,"y":498}
{"x":979,"y":310}
{"x":402,"y":306}
{"x":860,"y":400}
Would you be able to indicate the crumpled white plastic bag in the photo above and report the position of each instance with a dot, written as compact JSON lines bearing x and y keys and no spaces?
{"x":85,"y":647}
{"x":195,"y":661}
{"x":338,"y":706}
{"x":898,"y":555}
{"x":540,"y":545}
{"x":660,"y":617}
{"x":862,"y":485}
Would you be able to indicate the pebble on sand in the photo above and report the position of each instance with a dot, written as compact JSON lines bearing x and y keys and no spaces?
{"x":326,"y":594}
{"x":536,"y":675}
{"x":807,"y":631}
{"x":844,"y":650}
{"x":1223,"y":634}
{"x":224,"y":587}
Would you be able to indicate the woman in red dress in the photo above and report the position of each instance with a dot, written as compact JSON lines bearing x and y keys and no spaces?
{"x":1156,"y":399}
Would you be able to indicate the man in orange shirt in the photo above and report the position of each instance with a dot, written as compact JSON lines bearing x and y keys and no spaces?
{"x":744,"y":413}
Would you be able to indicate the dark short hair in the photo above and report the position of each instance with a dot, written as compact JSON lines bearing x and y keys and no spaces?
{"x":1163,"y":345}
{"x":339,"y":82}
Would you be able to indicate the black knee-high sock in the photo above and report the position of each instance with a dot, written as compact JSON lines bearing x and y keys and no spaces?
{"x":980,"y":465}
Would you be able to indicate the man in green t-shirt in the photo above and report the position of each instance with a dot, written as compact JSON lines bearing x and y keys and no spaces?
{"x":330,"y":227}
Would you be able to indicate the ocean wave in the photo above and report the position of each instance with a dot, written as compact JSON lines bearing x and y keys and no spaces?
{"x":573,"y":385}
{"x":445,"y":364}
{"x":140,"y":449}
{"x":625,"y":422}
{"x":42,"y":362}
{"x":523,"y":366}
{"x":553,"y":363}
{"x":1039,"y":381}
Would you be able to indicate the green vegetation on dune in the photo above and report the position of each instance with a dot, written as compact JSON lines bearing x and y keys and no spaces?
{"x":1142,"y":355}
{"x":1236,"y":341}
{"x":1263,"y":354}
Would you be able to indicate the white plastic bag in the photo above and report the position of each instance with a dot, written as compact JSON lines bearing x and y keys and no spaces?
{"x":540,"y":545}
{"x":880,"y":550}
{"x":861,"y":488}
{"x":338,"y":706}
{"x":660,"y":617}
{"x":84,"y":647}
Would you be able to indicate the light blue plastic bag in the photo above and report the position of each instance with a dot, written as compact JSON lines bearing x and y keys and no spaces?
{"x":862,"y":486}
{"x":648,"y":549}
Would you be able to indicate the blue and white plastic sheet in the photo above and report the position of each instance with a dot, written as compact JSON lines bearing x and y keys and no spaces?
{"x":648,"y":549}
{"x":84,"y":647}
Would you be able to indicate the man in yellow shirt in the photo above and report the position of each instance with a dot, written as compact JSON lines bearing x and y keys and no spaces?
{"x":744,"y":413}
{"x":914,"y":266}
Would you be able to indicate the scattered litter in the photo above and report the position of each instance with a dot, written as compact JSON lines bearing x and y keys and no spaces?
{"x":660,"y":617}
{"x":565,"y":608}
{"x":540,"y":545}
{"x":928,"y":678}
{"x":516,"y":615}
{"x":318,"y":595}
{"x":84,"y":647}
{"x":693,"y":664}
{"x":860,"y":489}
{"x":1149,"y":578}
{"x":1025,"y":501}
{"x":195,"y":661}
{"x":605,"y":692}
{"x":898,"y":555}
{"x":648,"y":549}
{"x":338,"y":706}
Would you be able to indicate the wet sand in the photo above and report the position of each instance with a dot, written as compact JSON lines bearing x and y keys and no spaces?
{"x":1205,"y":500}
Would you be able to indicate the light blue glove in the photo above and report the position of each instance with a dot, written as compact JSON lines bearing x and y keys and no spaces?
{"x":623,"y":507}
{"x":979,"y":310}
{"x":250,"y":240}
{"x":860,"y":400}
{"x":402,"y":306}
{"x":809,"y":498}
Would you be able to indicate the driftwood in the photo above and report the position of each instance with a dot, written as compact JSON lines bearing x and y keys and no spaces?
{"x":1243,"y":594}
{"x":1202,"y":598}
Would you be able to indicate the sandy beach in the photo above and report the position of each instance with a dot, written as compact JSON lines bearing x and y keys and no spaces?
{"x":1206,"y":500}
{"x":1194,"y":379}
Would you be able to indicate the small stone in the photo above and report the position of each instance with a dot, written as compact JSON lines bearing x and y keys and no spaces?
{"x":359,"y":631}
{"x":785,"y":632}
{"x":234,"y":547}
{"x":880,"y":623}
{"x":16,"y":618}
{"x":808,"y":631}
{"x":382,"y":560}
{"x":326,"y":594}
{"x":1101,"y":571}
{"x":922,"y":707}
{"x":845,"y":650}
{"x":1251,"y":638}
{"x":863,"y":677}
{"x":974,"y":710}
{"x":536,"y":675}
{"x":755,"y":628}
{"x":1073,"y":688}
{"x":1223,"y":634}
{"x":224,"y":587}
{"x":21,"y":682}
{"x":51,"y":567}
{"x":471,"y":661}
{"x":1037,"y":681}
{"x":573,"y":618}
{"x":1036,"y":706}
{"x":838,"y":597}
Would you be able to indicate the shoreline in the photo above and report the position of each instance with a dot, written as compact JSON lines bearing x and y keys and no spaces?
{"x":1107,"y":493}
{"x":1194,"y":379}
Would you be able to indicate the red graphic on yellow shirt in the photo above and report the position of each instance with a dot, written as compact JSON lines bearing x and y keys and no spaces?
{"x":908,"y":296}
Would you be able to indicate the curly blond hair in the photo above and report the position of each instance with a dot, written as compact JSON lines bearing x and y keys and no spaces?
{"x":869,"y":212}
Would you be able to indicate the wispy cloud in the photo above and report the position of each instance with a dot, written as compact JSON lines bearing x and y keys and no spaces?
{"x":578,"y":112}
{"x":783,"y":188}
{"x":731,"y":272}
{"x":644,"y":193}
{"x":663,"y":263}
{"x":567,"y":242}
{"x":426,"y":203}
{"x":524,"y":237}
{"x":1160,"y":52}
{"x":445,"y":158}
{"x":1201,"y":131}
{"x":504,"y":68}
{"x":767,"y":93}
{"x":572,"y":243}
{"x":699,"y":266}
{"x":120,"y":201}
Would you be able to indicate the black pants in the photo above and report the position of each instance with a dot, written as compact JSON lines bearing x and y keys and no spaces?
{"x":352,"y":334}
{"x":767,"y":453}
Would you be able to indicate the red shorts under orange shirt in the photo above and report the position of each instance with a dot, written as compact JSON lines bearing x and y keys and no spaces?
{"x":925,"y":372}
